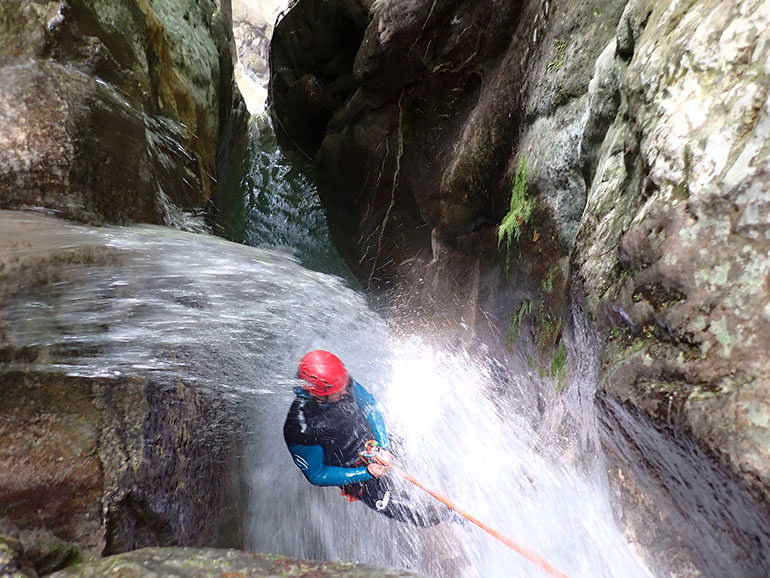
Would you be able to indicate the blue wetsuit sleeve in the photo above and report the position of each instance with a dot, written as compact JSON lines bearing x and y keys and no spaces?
{"x":372,"y":412}
{"x":310,"y":459}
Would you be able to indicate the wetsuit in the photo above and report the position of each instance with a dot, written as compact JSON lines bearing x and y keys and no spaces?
{"x":325,"y":440}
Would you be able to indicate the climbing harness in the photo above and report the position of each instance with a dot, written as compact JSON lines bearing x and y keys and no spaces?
{"x":371,"y":455}
{"x":370,"y":449}
{"x":368,"y":457}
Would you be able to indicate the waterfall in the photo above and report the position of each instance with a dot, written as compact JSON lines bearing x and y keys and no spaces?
{"x":101,"y":301}
{"x":457,"y":438}
{"x":130,"y":300}
{"x":273,"y":202}
{"x":458,"y":433}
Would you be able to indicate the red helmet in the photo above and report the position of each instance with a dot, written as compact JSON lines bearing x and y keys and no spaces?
{"x":324,"y":373}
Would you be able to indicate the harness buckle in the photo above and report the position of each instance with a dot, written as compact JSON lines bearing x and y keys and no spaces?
{"x":370,"y":448}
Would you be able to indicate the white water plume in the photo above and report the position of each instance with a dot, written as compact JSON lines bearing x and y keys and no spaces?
{"x":458,"y":441}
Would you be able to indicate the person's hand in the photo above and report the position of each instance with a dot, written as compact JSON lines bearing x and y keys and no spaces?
{"x":377,"y":470}
{"x":385,"y":457}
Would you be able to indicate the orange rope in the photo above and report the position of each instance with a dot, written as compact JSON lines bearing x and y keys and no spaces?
{"x":528,"y":554}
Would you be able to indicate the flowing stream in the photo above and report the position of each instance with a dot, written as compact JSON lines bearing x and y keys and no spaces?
{"x":117,"y":300}
{"x":235,"y":319}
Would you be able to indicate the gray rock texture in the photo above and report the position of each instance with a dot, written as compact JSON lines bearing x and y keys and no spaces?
{"x":420,"y":128}
{"x":673,"y":247}
{"x":104,"y":464}
{"x":211,"y":563}
{"x":113,"y":111}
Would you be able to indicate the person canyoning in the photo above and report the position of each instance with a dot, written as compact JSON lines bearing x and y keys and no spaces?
{"x":326,"y":431}
{"x":336,"y":436}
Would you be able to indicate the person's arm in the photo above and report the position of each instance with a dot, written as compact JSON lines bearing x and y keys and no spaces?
{"x":372,"y":413}
{"x":310,"y":460}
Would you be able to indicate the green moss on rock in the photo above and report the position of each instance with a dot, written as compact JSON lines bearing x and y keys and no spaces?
{"x":520,"y":211}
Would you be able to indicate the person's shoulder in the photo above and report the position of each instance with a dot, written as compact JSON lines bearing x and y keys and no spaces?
{"x":356,"y":388}
{"x":301,"y":398}
{"x":360,"y":392}
{"x":299,"y":403}
{"x":297,"y":415}
{"x":301,"y":393}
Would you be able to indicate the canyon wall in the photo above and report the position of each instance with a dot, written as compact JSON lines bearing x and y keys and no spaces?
{"x":518,"y":162}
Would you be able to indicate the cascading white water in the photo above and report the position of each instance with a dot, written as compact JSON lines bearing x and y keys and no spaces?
{"x":455,"y":439}
{"x":110,"y":301}
{"x":243,"y":317}
{"x":506,"y":464}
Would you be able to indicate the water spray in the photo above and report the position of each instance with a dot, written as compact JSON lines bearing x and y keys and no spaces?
{"x":372,"y":455}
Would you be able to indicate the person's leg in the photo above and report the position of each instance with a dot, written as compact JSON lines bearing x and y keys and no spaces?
{"x":399,"y":505}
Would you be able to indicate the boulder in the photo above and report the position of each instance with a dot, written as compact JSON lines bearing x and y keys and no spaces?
{"x":672,"y":251}
{"x":104,"y":463}
{"x":31,"y":553}
{"x":674,"y":244}
{"x":420,"y":132}
{"x":113,"y":111}
{"x":213,"y":563}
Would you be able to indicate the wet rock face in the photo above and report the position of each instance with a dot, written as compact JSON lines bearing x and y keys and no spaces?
{"x":312,"y":55}
{"x":51,"y":158}
{"x":111,"y":466}
{"x":202,"y":563}
{"x":678,"y":502}
{"x":421,"y":134}
{"x":394,"y":110}
{"x":674,"y":244}
{"x":51,"y":471}
{"x":105,"y":464}
{"x":109,"y":110}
